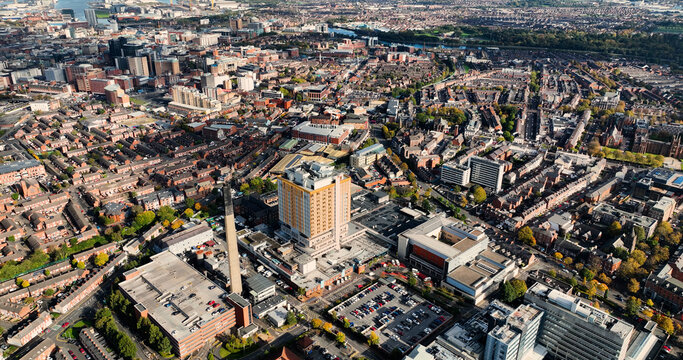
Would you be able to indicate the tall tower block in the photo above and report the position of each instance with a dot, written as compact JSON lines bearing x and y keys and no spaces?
{"x":231,"y":242}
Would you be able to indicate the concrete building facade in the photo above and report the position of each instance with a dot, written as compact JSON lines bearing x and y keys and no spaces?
{"x":315,"y":206}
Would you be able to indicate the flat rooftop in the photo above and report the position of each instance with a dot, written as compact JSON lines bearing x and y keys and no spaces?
{"x":175,"y":294}
{"x":589,"y":313}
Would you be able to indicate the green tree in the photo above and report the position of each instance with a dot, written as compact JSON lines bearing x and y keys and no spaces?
{"x":526,"y":235}
{"x":347,"y":323}
{"x":513,"y":290}
{"x":101,"y":259}
{"x":316,"y":323}
{"x":640,"y":233}
{"x":166,"y":213}
{"x":143,"y":219}
{"x":373,"y":339}
{"x":587,"y":274}
{"x":256,"y":184}
{"x":633,"y":286}
{"x":479,"y":194}
{"x":210,"y":356}
{"x":164,"y":346}
{"x":632,"y":306}
{"x":594,"y":147}
{"x":101,"y":316}
{"x":291,"y":318}
{"x":126,"y":347}
{"x":427,"y":205}
{"x":639,"y":256}
{"x":341,"y":338}
{"x":412,"y":280}
{"x":614,"y":229}
{"x":15,"y":196}
{"x":188,"y":213}
{"x":666,"y":324}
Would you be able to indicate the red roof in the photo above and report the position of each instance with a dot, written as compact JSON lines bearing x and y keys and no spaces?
{"x":287,"y":355}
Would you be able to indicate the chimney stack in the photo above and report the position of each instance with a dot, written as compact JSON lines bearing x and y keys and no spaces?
{"x":231,"y":242}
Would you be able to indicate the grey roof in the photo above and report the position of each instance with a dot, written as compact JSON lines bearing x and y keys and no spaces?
{"x":239,"y":300}
{"x":268,"y":304}
{"x":259,"y":283}
{"x":18,"y":165}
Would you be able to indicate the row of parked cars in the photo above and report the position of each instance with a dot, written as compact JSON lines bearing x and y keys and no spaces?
{"x":373,"y":305}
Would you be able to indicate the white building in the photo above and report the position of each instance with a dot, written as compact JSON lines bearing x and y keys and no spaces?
{"x":456,"y":174}
{"x":245,"y":83}
{"x":517,"y":337}
{"x":573,"y":329}
{"x":184,"y":240}
{"x":366,"y":157}
{"x":487,"y":173}
{"x":207,"y":39}
{"x":54,"y":74}
{"x":90,"y":16}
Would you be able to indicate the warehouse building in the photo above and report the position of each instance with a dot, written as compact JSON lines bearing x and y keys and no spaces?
{"x":188,"y":308}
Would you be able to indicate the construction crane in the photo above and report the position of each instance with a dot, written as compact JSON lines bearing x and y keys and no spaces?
{"x":212,"y":1}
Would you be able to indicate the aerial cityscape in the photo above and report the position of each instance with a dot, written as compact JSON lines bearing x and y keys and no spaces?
{"x":328,"y":180}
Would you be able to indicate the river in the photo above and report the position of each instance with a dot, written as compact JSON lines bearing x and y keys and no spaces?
{"x":79,"y":5}
{"x":351,"y":33}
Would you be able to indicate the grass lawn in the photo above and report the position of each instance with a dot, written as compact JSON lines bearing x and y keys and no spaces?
{"x":9,"y":350}
{"x":73,"y":330}
{"x":137,"y":101}
{"x":226,"y":354}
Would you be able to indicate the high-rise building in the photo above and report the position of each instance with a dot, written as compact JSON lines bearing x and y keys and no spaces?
{"x":487,"y":173}
{"x":187,"y":99}
{"x":166,"y":66}
{"x":314,"y":204}
{"x":245,"y":83}
{"x":54,"y":74}
{"x":208,"y":80}
{"x":456,"y":174}
{"x":236,"y":23}
{"x":231,"y":242}
{"x":132,"y":48}
{"x":517,"y":337}
{"x":574,"y":330}
{"x":115,"y":47}
{"x":138,"y":66}
{"x":90,"y":16}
